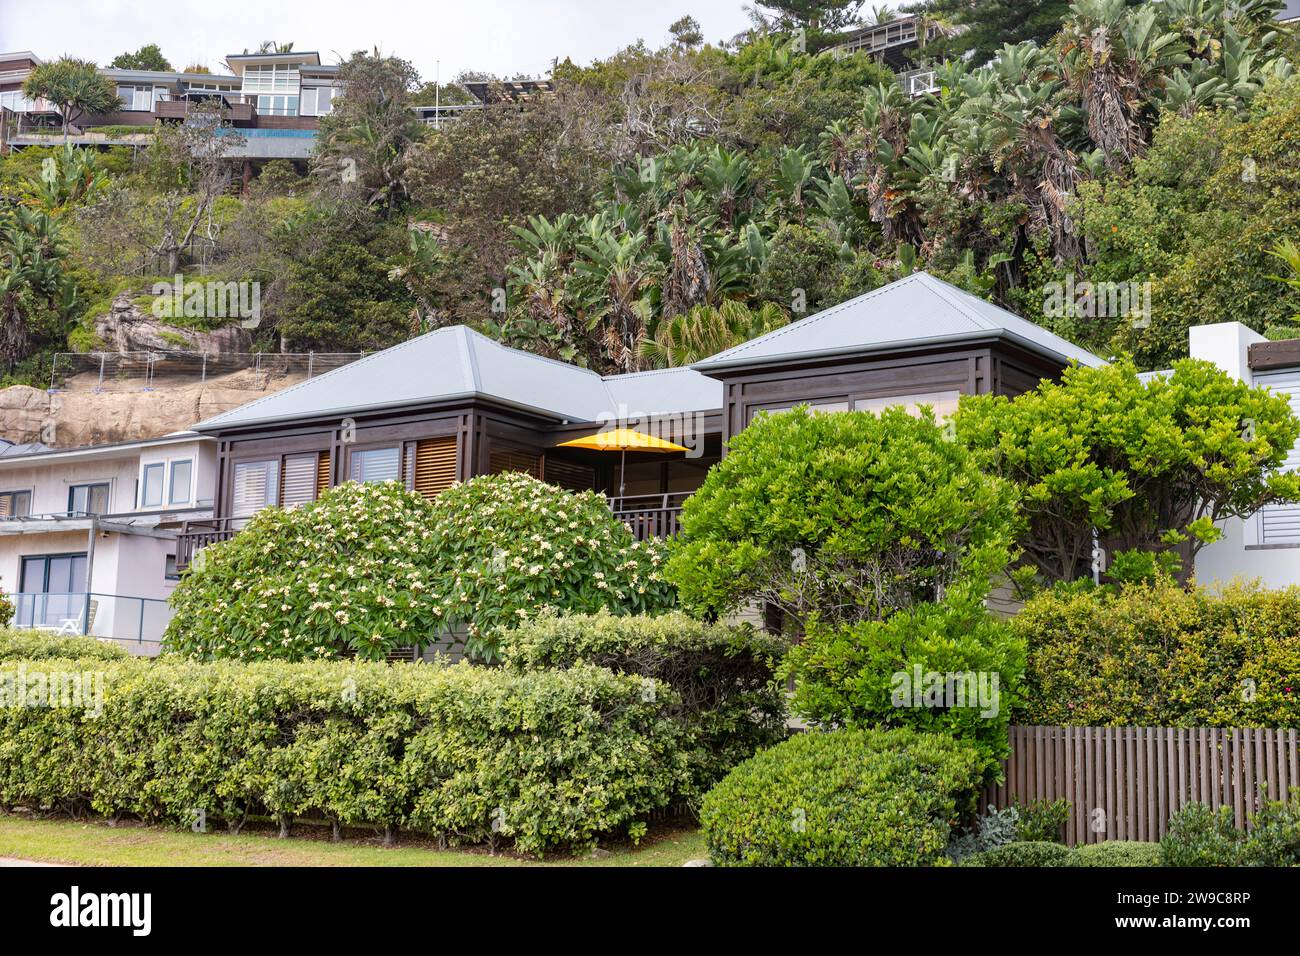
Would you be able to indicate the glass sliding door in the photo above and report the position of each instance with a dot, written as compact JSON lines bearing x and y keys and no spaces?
{"x":53,"y":590}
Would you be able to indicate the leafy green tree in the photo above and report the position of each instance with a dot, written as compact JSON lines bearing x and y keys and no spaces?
{"x":801,"y":272}
{"x":817,"y":14}
{"x":339,"y":296}
{"x":364,"y":142}
{"x":148,"y":57}
{"x":1196,"y":218}
{"x":1146,"y":471}
{"x":985,"y":25}
{"x":74,"y":87}
{"x":345,"y":573}
{"x":841,"y":518}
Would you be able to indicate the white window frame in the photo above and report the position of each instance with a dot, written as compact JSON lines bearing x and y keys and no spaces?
{"x":141,"y":504}
{"x":1252,"y":531}
{"x":168,"y":465}
{"x":171,"y":480}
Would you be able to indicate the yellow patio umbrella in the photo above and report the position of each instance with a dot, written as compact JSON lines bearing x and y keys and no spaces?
{"x":622,"y":440}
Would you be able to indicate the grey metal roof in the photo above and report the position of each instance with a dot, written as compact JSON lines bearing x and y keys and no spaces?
{"x":917,"y":310}
{"x":458,"y":363}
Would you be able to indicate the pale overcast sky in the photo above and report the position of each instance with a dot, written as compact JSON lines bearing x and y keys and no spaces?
{"x":500,"y":36}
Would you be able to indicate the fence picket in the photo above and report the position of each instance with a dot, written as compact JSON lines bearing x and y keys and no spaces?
{"x":1139,"y":776}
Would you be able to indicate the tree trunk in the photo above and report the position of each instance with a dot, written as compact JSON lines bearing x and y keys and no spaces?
{"x":284,"y":828}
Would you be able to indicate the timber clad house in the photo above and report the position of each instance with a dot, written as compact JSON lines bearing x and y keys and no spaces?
{"x":452,"y":404}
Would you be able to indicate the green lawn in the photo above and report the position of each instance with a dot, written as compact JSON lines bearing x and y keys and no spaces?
{"x":97,"y":844}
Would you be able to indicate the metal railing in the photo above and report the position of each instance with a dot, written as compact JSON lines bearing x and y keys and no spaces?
{"x":136,"y":621}
{"x":138,"y":371}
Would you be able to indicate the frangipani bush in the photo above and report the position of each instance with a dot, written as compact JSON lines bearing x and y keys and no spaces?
{"x":369,"y":568}
{"x":508,"y":546}
{"x":349,"y":571}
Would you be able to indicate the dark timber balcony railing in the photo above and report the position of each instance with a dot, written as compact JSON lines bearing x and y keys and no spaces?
{"x":650,"y":516}
{"x":194,"y":536}
{"x":647,"y":516}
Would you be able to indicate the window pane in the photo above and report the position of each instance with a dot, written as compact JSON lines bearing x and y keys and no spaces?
{"x":151,"y":494}
{"x":377,"y":464}
{"x":179,"y":492}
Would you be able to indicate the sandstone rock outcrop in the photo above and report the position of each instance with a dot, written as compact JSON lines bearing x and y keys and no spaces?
{"x":126,"y":327}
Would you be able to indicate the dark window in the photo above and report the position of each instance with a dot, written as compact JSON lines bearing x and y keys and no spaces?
{"x":88,"y":499}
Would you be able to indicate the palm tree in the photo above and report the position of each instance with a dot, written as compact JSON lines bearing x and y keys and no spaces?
{"x":706,"y":330}
{"x":1117,"y":57}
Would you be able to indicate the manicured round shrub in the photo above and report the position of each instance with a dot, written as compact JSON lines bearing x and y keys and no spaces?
{"x":508,"y":546}
{"x":1023,"y":853}
{"x":731,"y":704}
{"x":351,"y":571}
{"x":35,"y":645}
{"x":843,"y":798}
{"x":850,"y":516}
{"x":1158,"y":655}
{"x":1117,"y":853}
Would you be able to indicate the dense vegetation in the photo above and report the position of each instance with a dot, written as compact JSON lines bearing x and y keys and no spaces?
{"x":669,"y":201}
{"x":541,"y":760}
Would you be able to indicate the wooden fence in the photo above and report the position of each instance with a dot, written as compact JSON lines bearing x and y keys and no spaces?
{"x":1124,"y":782}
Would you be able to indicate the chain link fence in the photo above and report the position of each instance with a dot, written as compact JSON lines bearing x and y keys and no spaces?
{"x":141,"y":371}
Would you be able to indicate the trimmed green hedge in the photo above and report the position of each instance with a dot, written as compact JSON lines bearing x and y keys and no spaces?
{"x":730,"y":703}
{"x":1156,"y":655}
{"x":39,"y":645}
{"x":547,"y":760}
{"x":1117,"y":853}
{"x":843,"y":798}
{"x":1023,"y":853}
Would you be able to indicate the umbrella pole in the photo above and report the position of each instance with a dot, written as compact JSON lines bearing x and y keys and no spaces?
{"x":622,"y":475}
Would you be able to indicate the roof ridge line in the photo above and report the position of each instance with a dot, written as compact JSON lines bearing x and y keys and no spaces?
{"x":940,"y":288}
{"x":815,"y":317}
{"x":325,"y":375}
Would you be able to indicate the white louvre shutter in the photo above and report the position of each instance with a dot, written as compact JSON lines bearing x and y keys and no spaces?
{"x":1280,"y":524}
{"x":299,"y":480}
{"x":376,"y":464}
{"x":256,"y":484}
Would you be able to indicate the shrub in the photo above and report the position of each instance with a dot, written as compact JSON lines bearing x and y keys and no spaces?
{"x":1117,"y":853}
{"x":1274,"y":838}
{"x":952,"y":669}
{"x":1199,"y":836}
{"x":994,"y":828}
{"x":37,"y":645}
{"x":1042,"y":820}
{"x":1156,"y":655}
{"x":1023,"y":853}
{"x":545,"y":759}
{"x":730,"y":704}
{"x":349,"y":572}
{"x":843,"y":798}
{"x":6,"y":610}
{"x":848,"y":516}
{"x":508,"y":546}
{"x":1096,"y":451}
